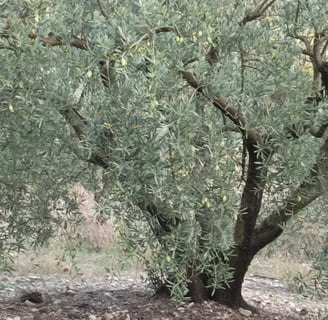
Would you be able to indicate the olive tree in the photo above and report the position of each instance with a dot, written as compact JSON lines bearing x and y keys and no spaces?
{"x":207,"y":119}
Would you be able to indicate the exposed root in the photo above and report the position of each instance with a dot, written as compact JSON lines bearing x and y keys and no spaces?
{"x":243,"y":304}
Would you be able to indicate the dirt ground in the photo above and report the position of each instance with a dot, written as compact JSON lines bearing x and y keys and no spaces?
{"x":53,"y":298}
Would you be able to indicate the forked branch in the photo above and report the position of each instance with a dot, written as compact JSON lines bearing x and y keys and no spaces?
{"x":258,"y":12}
{"x":307,"y":192}
{"x":219,"y":102}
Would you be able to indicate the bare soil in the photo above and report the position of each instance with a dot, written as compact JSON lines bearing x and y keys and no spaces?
{"x":124,"y":298}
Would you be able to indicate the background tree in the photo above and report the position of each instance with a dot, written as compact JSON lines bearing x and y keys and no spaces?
{"x":203,"y":119}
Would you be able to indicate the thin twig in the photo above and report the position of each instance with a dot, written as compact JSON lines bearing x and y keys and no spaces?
{"x":264,"y":6}
{"x":297,"y":11}
{"x":242,"y":67}
{"x":145,"y":36}
{"x":251,"y":67}
{"x":101,"y":8}
{"x":136,"y":43}
{"x":168,"y":29}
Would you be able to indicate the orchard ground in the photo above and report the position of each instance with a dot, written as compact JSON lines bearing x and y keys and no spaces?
{"x":101,"y":283}
{"x":97,"y":287}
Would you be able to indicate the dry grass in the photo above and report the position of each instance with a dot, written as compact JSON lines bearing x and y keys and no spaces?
{"x":99,"y":252}
{"x":99,"y":235}
{"x":111,"y":260}
{"x":99,"y":232}
{"x":85,"y":263}
{"x":278,"y":266}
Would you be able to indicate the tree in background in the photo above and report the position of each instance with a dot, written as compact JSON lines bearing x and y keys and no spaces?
{"x":203,"y":117}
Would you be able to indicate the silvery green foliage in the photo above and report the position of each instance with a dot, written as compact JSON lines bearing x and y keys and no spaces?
{"x":168,"y":144}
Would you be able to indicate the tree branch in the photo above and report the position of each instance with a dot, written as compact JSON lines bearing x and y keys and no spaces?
{"x":234,"y":115}
{"x":308,"y":191}
{"x":79,"y":43}
{"x":219,"y":102}
{"x":253,"y":190}
{"x":53,"y":40}
{"x":79,"y":124}
{"x":305,"y":40}
{"x":318,"y":133}
{"x":157,"y":219}
{"x":297,"y":12}
{"x":251,"y":199}
{"x":173,"y":29}
{"x":317,"y":51}
{"x":324,"y":48}
{"x":242,"y":66}
{"x":258,"y":12}
{"x":307,"y":53}
{"x":320,"y":68}
{"x":76,"y":120}
{"x":145,"y":36}
{"x":101,"y":8}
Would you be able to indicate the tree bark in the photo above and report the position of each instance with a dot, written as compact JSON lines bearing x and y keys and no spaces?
{"x":231,"y":295}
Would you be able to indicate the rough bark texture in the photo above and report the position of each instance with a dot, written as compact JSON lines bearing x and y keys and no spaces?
{"x":232,"y":295}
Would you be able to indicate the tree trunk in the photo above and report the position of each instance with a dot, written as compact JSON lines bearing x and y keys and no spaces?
{"x":231,"y":295}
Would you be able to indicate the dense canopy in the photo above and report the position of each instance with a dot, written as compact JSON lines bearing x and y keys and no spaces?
{"x":201,"y":125}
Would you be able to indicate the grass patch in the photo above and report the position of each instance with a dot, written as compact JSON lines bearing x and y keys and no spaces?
{"x":55,"y":259}
{"x":278,"y":267}
{"x":98,"y":252}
